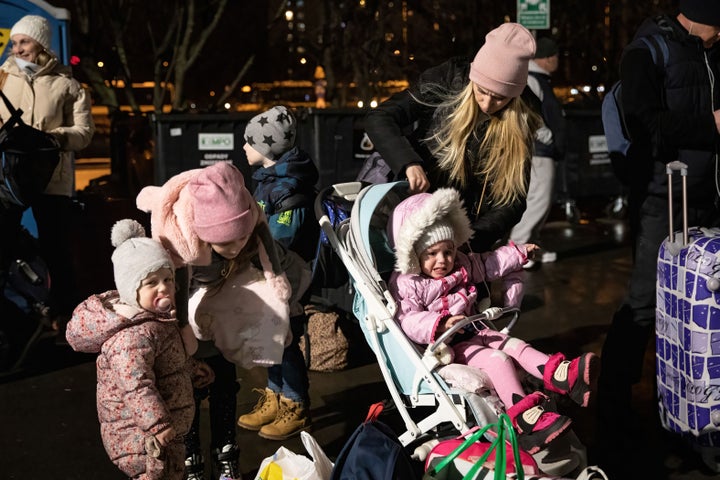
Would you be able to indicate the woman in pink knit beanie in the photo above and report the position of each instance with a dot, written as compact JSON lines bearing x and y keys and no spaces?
{"x":467,"y":124}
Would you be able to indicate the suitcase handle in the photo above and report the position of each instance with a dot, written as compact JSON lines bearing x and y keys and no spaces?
{"x":670,"y":169}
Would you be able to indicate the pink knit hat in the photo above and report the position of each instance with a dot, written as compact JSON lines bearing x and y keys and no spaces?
{"x":224,"y":209}
{"x":501,"y":65}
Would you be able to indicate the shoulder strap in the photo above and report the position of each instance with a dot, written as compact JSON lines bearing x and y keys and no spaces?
{"x":15,"y":113}
{"x":658,"y":47}
{"x":3,"y":77}
{"x":296,"y":200}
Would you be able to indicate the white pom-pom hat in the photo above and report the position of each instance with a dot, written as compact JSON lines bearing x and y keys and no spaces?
{"x":134,"y":258}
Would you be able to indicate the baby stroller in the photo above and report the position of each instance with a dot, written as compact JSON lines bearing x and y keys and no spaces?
{"x":413,"y":377}
{"x":24,"y":291}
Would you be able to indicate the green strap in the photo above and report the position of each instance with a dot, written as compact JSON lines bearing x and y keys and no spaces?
{"x":505,"y":433}
{"x":461,"y":448}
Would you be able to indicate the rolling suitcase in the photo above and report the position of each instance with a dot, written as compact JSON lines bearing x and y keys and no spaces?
{"x":687,"y":329}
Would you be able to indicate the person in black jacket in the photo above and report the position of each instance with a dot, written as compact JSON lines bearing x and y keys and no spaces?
{"x":671,"y":114}
{"x":549,"y":147}
{"x":446,"y":131}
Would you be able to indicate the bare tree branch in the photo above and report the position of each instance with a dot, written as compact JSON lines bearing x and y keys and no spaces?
{"x":228,"y":91}
{"x":187,"y":55}
{"x":169,"y":38}
{"x":119,"y":16}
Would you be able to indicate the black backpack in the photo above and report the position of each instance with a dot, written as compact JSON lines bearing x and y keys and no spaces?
{"x":374,"y":452}
{"x":613,"y":120}
{"x":29,"y":157}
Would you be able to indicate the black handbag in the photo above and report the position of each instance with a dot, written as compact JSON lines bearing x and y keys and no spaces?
{"x":29,"y":157}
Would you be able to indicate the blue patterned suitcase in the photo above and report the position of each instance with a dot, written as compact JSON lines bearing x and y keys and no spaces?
{"x":687,"y":329}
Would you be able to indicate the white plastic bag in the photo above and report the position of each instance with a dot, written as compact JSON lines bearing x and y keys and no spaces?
{"x":287,"y":465}
{"x":588,"y":473}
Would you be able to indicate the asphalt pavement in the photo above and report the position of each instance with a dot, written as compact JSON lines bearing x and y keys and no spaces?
{"x":50,"y":428}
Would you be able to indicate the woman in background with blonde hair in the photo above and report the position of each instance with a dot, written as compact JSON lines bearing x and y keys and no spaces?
{"x":464,"y":125}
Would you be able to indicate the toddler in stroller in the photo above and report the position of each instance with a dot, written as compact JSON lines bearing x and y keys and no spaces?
{"x":436,"y":286}
{"x":433,"y":399}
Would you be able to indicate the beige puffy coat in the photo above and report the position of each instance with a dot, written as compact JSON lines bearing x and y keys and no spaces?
{"x":54,"y":102}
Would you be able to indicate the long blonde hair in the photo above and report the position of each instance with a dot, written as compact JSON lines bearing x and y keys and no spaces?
{"x":506,"y":146}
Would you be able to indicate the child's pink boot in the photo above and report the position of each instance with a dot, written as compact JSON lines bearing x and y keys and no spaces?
{"x":536,"y":426}
{"x":576,"y":378}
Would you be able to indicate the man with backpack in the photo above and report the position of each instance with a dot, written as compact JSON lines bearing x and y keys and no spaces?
{"x":670,"y":109}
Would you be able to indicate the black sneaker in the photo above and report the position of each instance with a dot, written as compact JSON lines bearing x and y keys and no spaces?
{"x":226,"y":462}
{"x":194,"y":467}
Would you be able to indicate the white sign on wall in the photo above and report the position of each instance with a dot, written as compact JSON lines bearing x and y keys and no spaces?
{"x":216,"y":141}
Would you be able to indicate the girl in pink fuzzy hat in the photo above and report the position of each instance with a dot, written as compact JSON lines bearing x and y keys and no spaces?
{"x":467,"y":124}
{"x":240,"y":287}
{"x":435,"y":286}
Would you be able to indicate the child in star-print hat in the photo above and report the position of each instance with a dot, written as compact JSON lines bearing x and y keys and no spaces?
{"x":272,"y":133}
{"x":284,"y":176}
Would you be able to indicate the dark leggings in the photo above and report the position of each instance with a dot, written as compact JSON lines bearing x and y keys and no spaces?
{"x":53,"y":214}
{"x":222,"y":397}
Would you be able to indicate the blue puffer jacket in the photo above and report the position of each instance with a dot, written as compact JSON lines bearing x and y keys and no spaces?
{"x":286,"y":192}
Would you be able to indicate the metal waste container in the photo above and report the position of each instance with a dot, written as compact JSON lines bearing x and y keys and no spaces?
{"x":334,"y":139}
{"x":188,"y":141}
{"x":586,"y":170}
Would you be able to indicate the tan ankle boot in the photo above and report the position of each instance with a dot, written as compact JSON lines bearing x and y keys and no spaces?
{"x":292,"y":419}
{"x":265,"y":411}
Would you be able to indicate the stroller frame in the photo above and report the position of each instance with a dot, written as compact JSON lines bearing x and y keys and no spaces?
{"x":380,"y":318}
{"x":356,"y":244}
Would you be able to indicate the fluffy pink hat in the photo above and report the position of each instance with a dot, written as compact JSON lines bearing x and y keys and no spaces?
{"x":224,"y":209}
{"x":501,"y":65}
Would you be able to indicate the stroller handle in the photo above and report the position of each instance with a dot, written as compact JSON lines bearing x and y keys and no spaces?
{"x":482,"y":319}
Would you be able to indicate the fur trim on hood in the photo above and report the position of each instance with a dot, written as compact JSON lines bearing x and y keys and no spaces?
{"x":412,"y":218}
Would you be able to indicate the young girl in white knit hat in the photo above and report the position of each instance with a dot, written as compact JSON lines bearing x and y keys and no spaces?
{"x":144,"y":368}
{"x":436,"y":286}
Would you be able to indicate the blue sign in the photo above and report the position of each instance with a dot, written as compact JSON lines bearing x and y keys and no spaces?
{"x":13,"y":10}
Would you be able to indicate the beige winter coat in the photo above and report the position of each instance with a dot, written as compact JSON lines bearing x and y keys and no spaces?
{"x":56,"y":103}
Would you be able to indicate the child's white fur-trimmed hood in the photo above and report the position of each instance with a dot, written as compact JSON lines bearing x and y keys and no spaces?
{"x":414,"y":215}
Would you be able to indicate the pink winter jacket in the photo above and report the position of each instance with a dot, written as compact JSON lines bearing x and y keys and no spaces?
{"x":423,"y":301}
{"x":143,"y":372}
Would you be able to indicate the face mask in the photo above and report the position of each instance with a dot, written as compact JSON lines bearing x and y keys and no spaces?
{"x":28,"y":67}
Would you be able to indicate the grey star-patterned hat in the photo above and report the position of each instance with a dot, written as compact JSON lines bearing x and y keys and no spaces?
{"x":272,"y":133}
